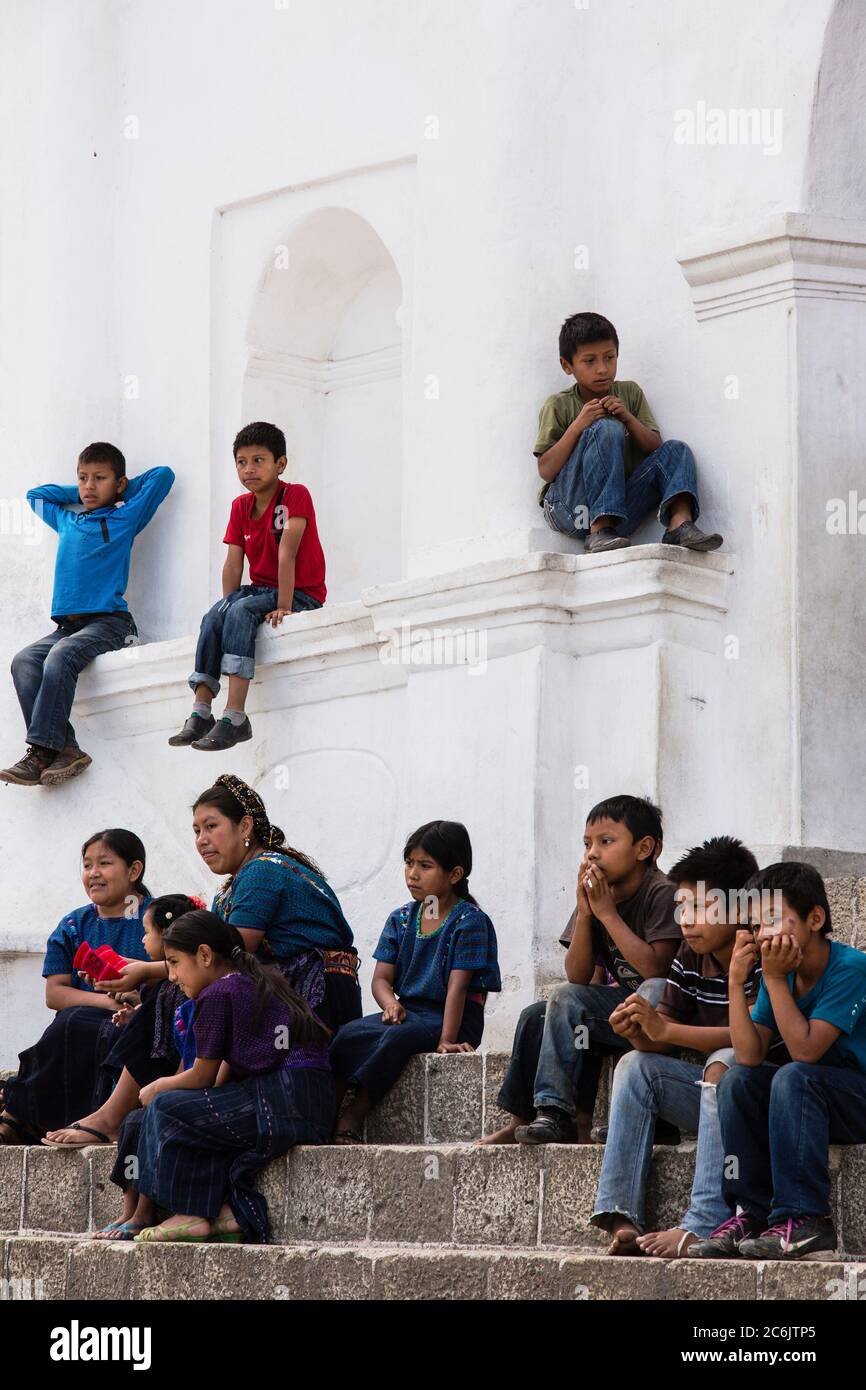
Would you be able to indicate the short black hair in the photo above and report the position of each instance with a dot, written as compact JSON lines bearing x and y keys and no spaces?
{"x":722,"y":862}
{"x":105,"y":453}
{"x":260,"y":432}
{"x":636,"y":813}
{"x":581,"y":329}
{"x":800,"y":883}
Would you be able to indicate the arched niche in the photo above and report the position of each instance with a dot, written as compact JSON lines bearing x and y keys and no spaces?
{"x":325,"y":363}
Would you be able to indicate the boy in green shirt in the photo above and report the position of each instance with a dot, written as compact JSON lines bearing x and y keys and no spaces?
{"x":601,"y":456}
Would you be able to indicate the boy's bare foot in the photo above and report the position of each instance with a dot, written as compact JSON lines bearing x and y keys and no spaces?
{"x":500,"y":1136}
{"x":667,"y":1245}
{"x":101,"y":1120}
{"x":625,"y":1237}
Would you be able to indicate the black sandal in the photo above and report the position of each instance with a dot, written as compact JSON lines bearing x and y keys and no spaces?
{"x":86,"y":1144}
{"x":27,"y":1133}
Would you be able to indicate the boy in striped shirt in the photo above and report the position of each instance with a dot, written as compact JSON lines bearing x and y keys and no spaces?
{"x":649,"y":1082}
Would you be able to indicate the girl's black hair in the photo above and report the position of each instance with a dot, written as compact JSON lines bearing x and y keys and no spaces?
{"x":446,"y":841}
{"x":267,"y":835}
{"x":203,"y":928}
{"x":127,"y":847}
{"x":170,"y":907}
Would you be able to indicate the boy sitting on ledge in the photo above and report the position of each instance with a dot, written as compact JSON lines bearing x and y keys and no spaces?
{"x":601,"y":455}
{"x":273,"y":526}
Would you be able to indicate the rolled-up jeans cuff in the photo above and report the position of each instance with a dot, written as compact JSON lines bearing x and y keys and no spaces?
{"x":603,"y":1219}
{"x":199,"y":678}
{"x":243,"y":666}
{"x":665,"y":506}
{"x":545,"y":1102}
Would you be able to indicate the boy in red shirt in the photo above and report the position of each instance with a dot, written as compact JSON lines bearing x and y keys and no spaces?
{"x":274,"y":526}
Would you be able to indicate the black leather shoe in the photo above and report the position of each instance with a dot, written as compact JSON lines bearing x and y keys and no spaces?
{"x":224,"y":735}
{"x":550,"y":1126}
{"x":692,"y":537}
{"x":195,"y":727}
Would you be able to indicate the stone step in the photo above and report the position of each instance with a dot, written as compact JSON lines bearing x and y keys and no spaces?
{"x":455,"y":1195}
{"x":66,"y":1267}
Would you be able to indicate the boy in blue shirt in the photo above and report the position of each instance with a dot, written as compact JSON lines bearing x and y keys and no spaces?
{"x":601,"y":455}
{"x":778,"y":1123}
{"x":97,"y":522}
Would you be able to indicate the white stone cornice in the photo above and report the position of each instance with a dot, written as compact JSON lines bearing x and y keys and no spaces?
{"x":788,"y":256}
{"x":326,"y":375}
{"x":578,"y":604}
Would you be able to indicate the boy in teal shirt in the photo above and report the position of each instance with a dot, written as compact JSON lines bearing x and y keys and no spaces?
{"x":97,"y":522}
{"x":778,"y":1123}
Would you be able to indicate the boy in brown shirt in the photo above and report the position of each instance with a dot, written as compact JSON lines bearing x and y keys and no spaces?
{"x":623,"y":917}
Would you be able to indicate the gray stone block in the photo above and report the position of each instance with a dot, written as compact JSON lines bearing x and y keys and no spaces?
{"x":495,"y":1067}
{"x":602,"y":1278}
{"x":330,"y":1191}
{"x":170,"y":1271}
{"x":40,"y":1259}
{"x":413,"y":1194}
{"x":106,"y":1200}
{"x":852,"y":1195}
{"x":570,"y":1179}
{"x":699,"y":1280}
{"x":258,"y":1272}
{"x":519,"y":1276}
{"x":431,"y":1274}
{"x":340,"y":1275}
{"x":101,"y":1269}
{"x":273,"y":1183}
{"x":497,"y":1196}
{"x":669,"y":1186}
{"x":818,"y":1280}
{"x":11,"y":1185}
{"x":399,"y":1117}
{"x":57,"y":1190}
{"x":841,"y":897}
{"x":454,"y":1097}
{"x":859,"y":915}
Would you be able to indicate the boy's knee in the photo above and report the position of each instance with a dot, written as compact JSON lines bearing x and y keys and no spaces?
{"x":633,"y":1066}
{"x":566,"y":996}
{"x":608,"y":429}
{"x":652,"y":990}
{"x":714,"y":1073}
{"x":792,"y":1077}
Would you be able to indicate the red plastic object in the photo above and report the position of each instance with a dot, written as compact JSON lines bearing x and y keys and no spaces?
{"x":101,"y":964}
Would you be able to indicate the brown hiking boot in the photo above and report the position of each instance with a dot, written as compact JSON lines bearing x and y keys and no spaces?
{"x":67,"y":764}
{"x":27,"y":772}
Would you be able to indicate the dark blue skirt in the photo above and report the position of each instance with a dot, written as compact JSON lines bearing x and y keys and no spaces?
{"x":62,"y":1078}
{"x":372,"y":1054}
{"x":199,"y":1149}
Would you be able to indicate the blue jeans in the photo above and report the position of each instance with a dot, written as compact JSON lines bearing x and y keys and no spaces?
{"x":45,"y":674}
{"x":227,"y":637}
{"x":647,"y":1085}
{"x":592,"y":483}
{"x":561,"y":1058}
{"x":778,"y":1123}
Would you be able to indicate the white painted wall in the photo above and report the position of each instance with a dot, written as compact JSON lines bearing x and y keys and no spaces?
{"x":141,"y":302}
